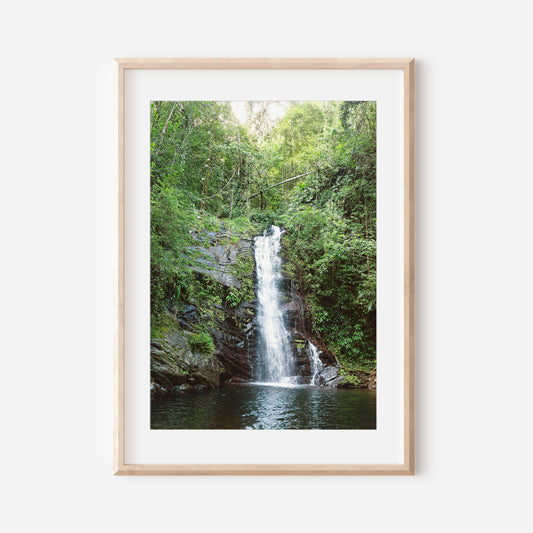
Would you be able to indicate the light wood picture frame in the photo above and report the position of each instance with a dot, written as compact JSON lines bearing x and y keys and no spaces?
{"x":122,"y":66}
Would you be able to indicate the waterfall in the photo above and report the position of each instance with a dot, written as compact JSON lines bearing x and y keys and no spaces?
{"x":316,"y":363}
{"x":275,"y":359}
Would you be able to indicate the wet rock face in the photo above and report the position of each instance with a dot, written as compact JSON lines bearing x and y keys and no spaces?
{"x":216,"y":261}
{"x":235,"y":340}
{"x":299,"y":321}
{"x":224,"y":262}
{"x":231,"y":264}
{"x":329,"y":374}
{"x":174,"y":367}
{"x":302,"y":355}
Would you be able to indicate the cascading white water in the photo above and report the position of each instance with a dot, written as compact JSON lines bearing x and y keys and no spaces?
{"x":275,"y":354}
{"x":316,"y":364}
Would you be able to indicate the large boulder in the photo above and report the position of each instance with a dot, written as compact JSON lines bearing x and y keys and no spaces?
{"x":356,"y":379}
{"x":175,"y":367}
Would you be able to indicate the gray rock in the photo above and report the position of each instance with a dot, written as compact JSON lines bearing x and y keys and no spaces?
{"x":174,"y":368}
{"x":173,"y":364}
{"x":329,"y":373}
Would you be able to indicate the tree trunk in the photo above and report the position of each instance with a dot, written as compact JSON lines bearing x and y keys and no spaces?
{"x":165,"y":127}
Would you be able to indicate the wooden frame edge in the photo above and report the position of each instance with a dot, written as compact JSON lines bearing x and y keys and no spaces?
{"x":262,"y":63}
{"x":119,"y":465}
{"x":118,"y":278}
{"x":263,"y":470}
{"x":409,"y":265}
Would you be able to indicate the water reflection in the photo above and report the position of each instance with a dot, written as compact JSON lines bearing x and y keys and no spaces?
{"x":268,"y":406}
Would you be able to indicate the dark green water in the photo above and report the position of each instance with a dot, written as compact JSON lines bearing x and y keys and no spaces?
{"x":258,"y":406}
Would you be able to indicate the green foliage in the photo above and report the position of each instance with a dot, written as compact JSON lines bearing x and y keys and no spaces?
{"x":234,"y":297}
{"x":263,"y":219}
{"x":211,"y":175}
{"x":169,"y":273}
{"x":165,"y":324}
{"x":331,"y":237}
{"x":242,"y":270}
{"x":201,"y":342}
{"x":205,"y":293}
{"x":299,"y":127}
{"x":242,"y":225}
{"x":349,"y":381}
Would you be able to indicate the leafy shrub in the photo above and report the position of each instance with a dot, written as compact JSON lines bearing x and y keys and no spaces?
{"x":349,"y":381}
{"x":201,"y":342}
{"x":233,"y":298}
{"x":264,"y":218}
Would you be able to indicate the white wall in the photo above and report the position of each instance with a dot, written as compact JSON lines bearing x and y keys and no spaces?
{"x":474,"y":265}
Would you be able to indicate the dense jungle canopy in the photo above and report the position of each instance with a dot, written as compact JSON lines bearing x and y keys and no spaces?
{"x":308,"y":167}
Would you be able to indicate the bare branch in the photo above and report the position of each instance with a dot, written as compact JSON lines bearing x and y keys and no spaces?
{"x":277,"y":184}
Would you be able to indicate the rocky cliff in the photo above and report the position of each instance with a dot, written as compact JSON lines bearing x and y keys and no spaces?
{"x":210,"y":337}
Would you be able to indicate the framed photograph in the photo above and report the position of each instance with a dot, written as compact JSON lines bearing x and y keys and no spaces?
{"x":264,"y":280}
